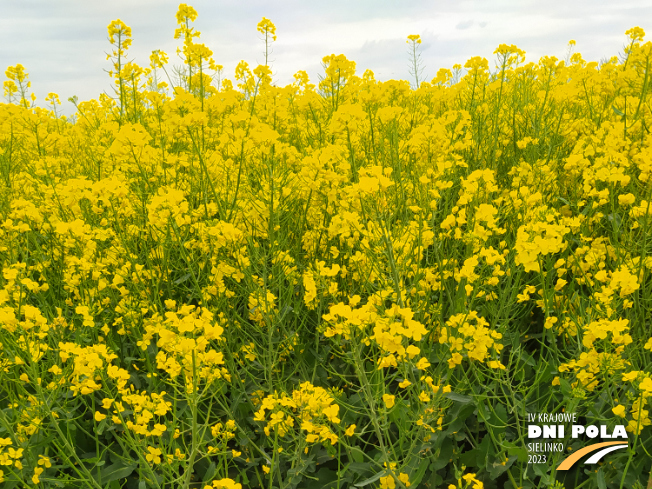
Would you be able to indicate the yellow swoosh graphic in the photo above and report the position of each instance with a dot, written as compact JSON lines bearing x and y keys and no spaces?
{"x":571,"y":459}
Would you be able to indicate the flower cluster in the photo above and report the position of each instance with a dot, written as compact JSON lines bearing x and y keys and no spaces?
{"x":231,"y":283}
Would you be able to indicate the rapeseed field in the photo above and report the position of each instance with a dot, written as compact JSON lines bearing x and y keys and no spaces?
{"x":350,"y":283}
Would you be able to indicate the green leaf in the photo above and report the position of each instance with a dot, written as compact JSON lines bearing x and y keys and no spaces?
{"x":616,"y":220}
{"x":357,"y":455}
{"x":443,"y":457}
{"x":565,"y":387}
{"x":618,"y":112}
{"x":101,"y":426}
{"x":416,"y":477}
{"x":10,"y":484}
{"x":400,"y":415}
{"x":498,"y":469}
{"x":359,"y":468}
{"x":210,"y":473}
{"x":459,"y":417}
{"x":326,"y":477}
{"x":519,"y":453}
{"x":370,"y":480}
{"x":541,"y":470}
{"x":454,"y":396}
{"x":484,"y":450}
{"x":182,"y":279}
{"x":602,"y":483}
{"x":498,"y":420}
{"x":564,"y":201}
{"x":116,"y":471}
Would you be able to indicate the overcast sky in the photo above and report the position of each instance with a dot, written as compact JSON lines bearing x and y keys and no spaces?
{"x":63,"y":43}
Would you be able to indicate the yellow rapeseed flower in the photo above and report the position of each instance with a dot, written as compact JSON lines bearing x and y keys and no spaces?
{"x":388,"y":399}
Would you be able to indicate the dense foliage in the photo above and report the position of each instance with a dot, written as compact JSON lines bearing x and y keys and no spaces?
{"x":359,"y":283}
